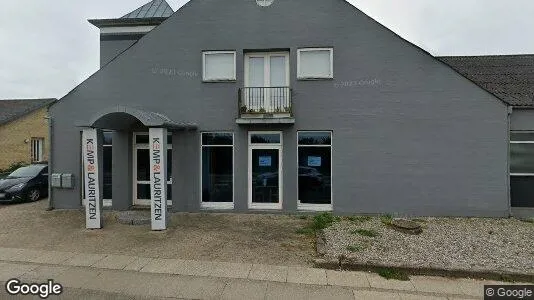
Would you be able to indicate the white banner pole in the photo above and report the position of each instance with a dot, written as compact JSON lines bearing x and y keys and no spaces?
{"x":93,"y":219}
{"x":158,"y":177}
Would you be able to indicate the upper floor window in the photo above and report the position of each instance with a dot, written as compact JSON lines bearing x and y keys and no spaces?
{"x":267,"y":69}
{"x":219,"y":65}
{"x":315,"y":63}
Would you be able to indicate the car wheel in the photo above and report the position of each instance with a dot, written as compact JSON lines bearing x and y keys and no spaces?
{"x":34,"y":194}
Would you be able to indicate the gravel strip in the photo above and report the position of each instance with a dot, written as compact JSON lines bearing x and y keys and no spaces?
{"x":470,"y":244}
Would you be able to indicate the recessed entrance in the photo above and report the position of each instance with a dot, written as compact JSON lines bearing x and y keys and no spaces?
{"x":265,"y":170}
{"x":141,"y":170}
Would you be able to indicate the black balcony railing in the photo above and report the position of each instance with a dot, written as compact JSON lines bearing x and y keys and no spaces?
{"x":265,"y":100}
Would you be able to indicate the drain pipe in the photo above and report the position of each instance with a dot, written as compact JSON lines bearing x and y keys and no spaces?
{"x":50,"y":137}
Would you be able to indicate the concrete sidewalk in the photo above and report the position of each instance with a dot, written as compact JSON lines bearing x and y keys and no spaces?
{"x":175,"y":278}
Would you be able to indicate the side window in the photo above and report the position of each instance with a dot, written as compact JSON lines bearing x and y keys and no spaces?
{"x":315,"y":63}
{"x":522,"y":169}
{"x":37,"y":148}
{"x":218,"y":66}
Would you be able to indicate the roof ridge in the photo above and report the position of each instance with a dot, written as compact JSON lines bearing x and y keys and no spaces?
{"x":487,"y":56}
{"x":13,"y":112}
{"x":147,"y":11}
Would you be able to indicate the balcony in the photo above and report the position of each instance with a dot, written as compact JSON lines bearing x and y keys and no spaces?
{"x":265,"y":105}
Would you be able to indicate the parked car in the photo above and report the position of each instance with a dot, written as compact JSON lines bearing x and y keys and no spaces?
{"x":29,"y":183}
{"x":310,"y":176}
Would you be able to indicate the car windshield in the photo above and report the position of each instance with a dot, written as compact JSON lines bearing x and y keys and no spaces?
{"x":29,"y":171}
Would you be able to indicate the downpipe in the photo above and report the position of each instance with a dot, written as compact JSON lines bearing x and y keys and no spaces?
{"x":50,"y":138}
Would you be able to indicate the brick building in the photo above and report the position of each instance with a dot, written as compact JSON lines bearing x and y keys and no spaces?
{"x":23,"y":131}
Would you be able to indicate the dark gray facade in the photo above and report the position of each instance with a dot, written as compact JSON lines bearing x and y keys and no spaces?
{"x":111,"y":47}
{"x":410,"y":135}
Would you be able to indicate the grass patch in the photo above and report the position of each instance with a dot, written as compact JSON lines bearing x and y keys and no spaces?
{"x":306,"y":231}
{"x":359,"y":219}
{"x":365,"y":232}
{"x":531,"y":220}
{"x":386,"y":219}
{"x":324,"y":220}
{"x":507,"y":278}
{"x":354,"y":248}
{"x":389,"y":273}
{"x":320,"y":221}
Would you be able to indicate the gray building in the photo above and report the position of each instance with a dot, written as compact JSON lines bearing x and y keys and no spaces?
{"x":280,"y":106}
{"x":511,"y":79}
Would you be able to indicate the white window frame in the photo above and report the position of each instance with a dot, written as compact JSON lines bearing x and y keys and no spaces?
{"x":37,"y":149}
{"x":301,"y":77}
{"x":218,"y":205}
{"x":266,"y":66}
{"x":317,"y":207}
{"x":135,"y":147}
{"x":520,"y":142}
{"x":204,"y":53}
{"x":107,"y":202}
{"x":275,"y":146}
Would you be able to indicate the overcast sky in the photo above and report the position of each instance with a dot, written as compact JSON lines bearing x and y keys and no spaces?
{"x":47,"y":47}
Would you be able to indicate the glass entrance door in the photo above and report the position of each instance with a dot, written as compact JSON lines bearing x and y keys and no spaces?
{"x":141,"y":174}
{"x":265,"y":171}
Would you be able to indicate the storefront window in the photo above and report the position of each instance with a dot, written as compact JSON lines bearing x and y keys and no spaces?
{"x":217,"y":167}
{"x":107,"y":163}
{"x":315,"y":167}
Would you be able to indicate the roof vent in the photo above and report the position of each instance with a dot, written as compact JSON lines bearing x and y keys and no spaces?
{"x":264,"y":3}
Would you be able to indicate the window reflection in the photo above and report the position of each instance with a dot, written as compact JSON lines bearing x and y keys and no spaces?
{"x":217,"y":167}
{"x":315,"y":168}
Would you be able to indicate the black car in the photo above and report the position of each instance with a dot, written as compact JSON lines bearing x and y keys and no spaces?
{"x":28,"y":183}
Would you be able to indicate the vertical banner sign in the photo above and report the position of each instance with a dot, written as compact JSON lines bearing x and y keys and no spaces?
{"x":93,"y":218}
{"x":158,"y":177}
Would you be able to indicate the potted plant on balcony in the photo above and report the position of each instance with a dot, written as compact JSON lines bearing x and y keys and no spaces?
{"x":262,"y":110}
{"x":243,"y":109}
{"x":287,"y":109}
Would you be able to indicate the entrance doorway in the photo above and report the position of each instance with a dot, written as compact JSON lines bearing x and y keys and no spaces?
{"x":265,"y":170}
{"x":141,"y":170}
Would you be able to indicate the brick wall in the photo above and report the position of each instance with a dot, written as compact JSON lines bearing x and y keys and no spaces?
{"x":13,"y":137}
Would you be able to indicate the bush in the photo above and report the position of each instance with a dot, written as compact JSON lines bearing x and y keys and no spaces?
{"x":13,"y":167}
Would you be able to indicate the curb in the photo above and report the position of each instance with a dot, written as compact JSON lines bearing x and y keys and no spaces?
{"x":345,"y":265}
